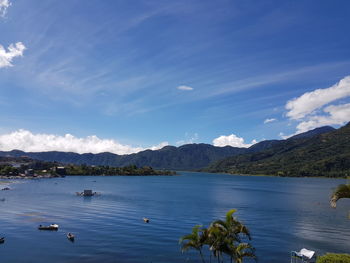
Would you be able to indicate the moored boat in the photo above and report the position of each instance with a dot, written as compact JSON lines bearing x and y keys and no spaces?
{"x":87,"y":193}
{"x":70,"y":237}
{"x":52,"y":227}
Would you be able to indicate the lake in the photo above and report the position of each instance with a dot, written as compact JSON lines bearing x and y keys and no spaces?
{"x":283,"y":214}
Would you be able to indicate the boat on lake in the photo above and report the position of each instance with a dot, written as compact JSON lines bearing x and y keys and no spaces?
{"x":70,"y":237}
{"x":52,"y":227}
{"x":2,"y":240}
{"x":87,"y":193}
{"x":146,"y":220}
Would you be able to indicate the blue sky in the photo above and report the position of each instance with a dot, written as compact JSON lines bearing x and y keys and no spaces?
{"x":113,"y":69}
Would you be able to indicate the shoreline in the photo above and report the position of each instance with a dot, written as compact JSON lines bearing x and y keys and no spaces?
{"x":270,"y":175}
{"x":12,"y":177}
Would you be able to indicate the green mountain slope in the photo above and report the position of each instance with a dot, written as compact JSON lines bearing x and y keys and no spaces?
{"x":185,"y":157}
{"x":326,"y":154}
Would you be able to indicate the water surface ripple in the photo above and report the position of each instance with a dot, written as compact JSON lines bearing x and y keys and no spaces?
{"x":283,"y":214}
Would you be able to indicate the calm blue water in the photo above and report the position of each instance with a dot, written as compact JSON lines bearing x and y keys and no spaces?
{"x":283,"y":214}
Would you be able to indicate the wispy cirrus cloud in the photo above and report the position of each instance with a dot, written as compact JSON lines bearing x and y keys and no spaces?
{"x":27,"y":141}
{"x":184,"y":87}
{"x":189,"y":139}
{"x":269,"y":120}
{"x":313,"y":109}
{"x":232,"y":140}
{"x":4,"y":5}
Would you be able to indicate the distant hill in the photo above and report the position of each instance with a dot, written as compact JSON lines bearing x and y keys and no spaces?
{"x":313,"y":132}
{"x":321,"y":152}
{"x":185,"y":157}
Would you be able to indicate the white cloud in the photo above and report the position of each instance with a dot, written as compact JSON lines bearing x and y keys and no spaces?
{"x":336,"y":115}
{"x":6,"y":57}
{"x":27,"y":141}
{"x":269,"y":120}
{"x":231,"y":140}
{"x":189,"y":139}
{"x":4,"y":5}
{"x":157,"y":147}
{"x":313,"y":109}
{"x":283,"y":136}
{"x":184,"y":87}
{"x":307,"y":103}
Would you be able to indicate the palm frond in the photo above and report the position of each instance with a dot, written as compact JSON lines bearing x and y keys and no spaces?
{"x":229,"y":214}
{"x":342,"y":191}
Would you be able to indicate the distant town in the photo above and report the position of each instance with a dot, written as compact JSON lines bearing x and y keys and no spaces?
{"x":24,"y":167}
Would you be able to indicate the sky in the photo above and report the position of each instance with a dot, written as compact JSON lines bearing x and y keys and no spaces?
{"x":125,"y":76}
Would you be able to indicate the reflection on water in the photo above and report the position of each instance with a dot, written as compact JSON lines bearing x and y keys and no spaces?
{"x":283,"y":214}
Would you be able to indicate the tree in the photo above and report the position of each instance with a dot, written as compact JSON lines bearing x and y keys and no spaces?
{"x":227,"y":236}
{"x":223,"y":237}
{"x":195,"y":240}
{"x":244,"y":250}
{"x":231,"y":227}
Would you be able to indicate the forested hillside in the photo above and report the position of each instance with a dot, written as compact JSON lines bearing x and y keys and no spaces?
{"x":326,"y":154}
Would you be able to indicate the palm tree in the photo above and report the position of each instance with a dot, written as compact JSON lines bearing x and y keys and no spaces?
{"x":224,"y":236}
{"x":342,"y":191}
{"x":217,"y":242}
{"x":244,"y":250}
{"x":195,"y":240}
{"x":231,"y":227}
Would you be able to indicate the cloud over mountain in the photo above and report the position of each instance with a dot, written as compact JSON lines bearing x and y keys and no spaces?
{"x":27,"y":141}
{"x":313,"y":109}
{"x":232,"y":140}
{"x":307,"y":103}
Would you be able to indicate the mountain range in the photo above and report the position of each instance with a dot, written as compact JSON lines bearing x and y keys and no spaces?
{"x":319,"y":154}
{"x":185,"y":157}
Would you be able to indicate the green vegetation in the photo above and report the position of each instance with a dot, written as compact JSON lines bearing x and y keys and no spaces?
{"x":8,"y":170}
{"x":225,"y":239}
{"x":15,"y":166}
{"x":185,"y":157}
{"x":342,"y":191}
{"x":107,"y":170}
{"x":334,"y":258}
{"x":326,"y":154}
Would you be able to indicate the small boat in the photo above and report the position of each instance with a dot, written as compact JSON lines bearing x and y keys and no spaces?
{"x":2,"y":240}
{"x":6,"y":189}
{"x":87,"y":193}
{"x":146,"y":220}
{"x":70,"y":237}
{"x":52,"y":227}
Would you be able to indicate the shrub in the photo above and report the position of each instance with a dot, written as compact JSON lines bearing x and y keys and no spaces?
{"x":334,"y":258}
